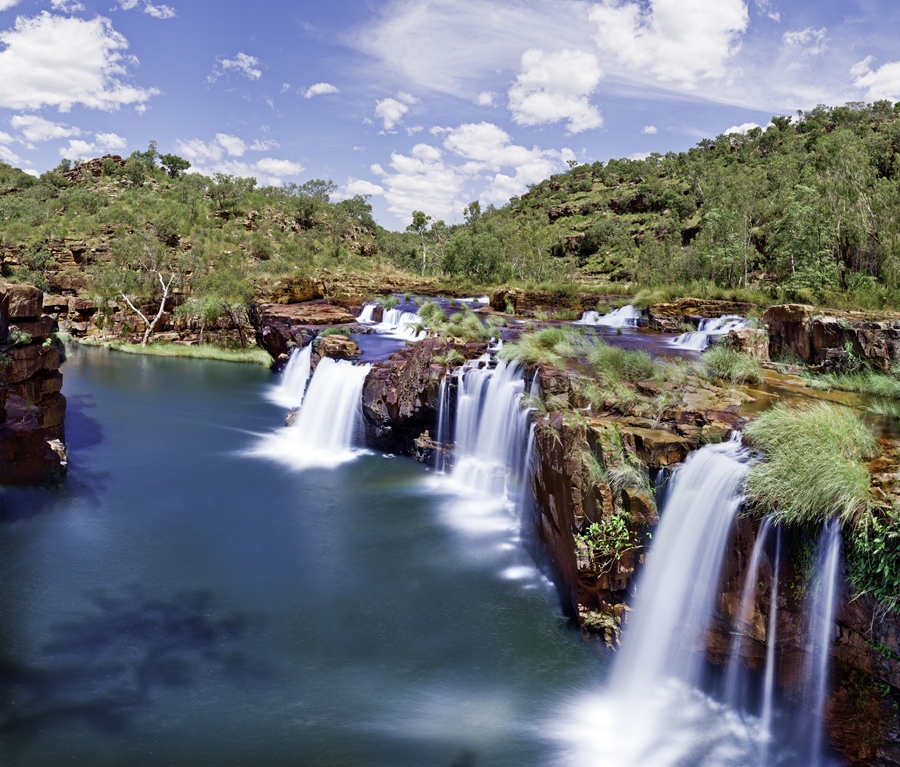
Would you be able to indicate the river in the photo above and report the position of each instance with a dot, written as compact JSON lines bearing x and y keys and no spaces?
{"x":178,"y":602}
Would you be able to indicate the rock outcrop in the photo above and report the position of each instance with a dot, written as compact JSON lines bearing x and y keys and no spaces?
{"x":671,"y":317}
{"x":32,"y":407}
{"x":281,"y":326}
{"x":826,"y":337}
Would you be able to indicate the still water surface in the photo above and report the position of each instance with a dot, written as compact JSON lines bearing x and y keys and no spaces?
{"x":179,"y":603}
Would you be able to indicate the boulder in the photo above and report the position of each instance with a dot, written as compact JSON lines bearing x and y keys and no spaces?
{"x":26,"y":361}
{"x":754,"y":342}
{"x":280,"y":327}
{"x":25,"y":302}
{"x":338,"y":347}
{"x":39,"y":329}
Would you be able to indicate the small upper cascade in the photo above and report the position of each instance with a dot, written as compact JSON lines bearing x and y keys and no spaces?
{"x":708,"y":329}
{"x":365,"y":315}
{"x":290,"y":391}
{"x":734,"y":678}
{"x":325,"y":431}
{"x":678,"y":586}
{"x":400,"y":324}
{"x":821,"y":609}
{"x":624,"y":317}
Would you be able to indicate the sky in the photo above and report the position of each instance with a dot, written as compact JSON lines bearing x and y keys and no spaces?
{"x":422,"y":104}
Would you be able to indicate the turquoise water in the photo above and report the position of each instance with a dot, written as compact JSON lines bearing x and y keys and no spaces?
{"x":178,"y":603}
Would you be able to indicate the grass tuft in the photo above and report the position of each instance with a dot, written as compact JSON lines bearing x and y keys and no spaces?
{"x":813,"y":467}
{"x":253,"y":354}
{"x":730,"y":365}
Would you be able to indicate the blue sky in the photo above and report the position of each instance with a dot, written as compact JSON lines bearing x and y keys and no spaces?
{"x":422,"y":104}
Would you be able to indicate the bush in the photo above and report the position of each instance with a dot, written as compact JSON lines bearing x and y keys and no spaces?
{"x":729,"y":365}
{"x":546,"y":347}
{"x":873,"y":558}
{"x":813,"y":466}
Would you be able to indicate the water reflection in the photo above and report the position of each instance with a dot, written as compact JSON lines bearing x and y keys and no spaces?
{"x":104,"y":667}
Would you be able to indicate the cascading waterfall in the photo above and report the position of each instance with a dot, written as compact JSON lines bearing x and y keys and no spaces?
{"x":699,"y":339}
{"x":289,"y":393}
{"x":326,"y":428}
{"x":625,"y":316}
{"x":443,"y":428}
{"x":734,"y":679}
{"x":365,"y":315}
{"x":677,"y":589}
{"x":769,"y":673}
{"x":821,"y":635}
{"x":400,"y":324}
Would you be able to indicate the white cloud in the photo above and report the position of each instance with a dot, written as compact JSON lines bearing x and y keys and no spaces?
{"x":556,"y":86}
{"x":31,"y":172}
{"x":485,"y":99}
{"x":67,"y":6}
{"x":675,"y":42}
{"x":806,"y":42}
{"x":7,"y":155}
{"x":264,"y":146}
{"x":109,"y":142}
{"x":5,"y":138}
{"x":5,"y":5}
{"x":649,"y":130}
{"x":77,"y":150}
{"x":35,"y":129}
{"x":639,"y":156}
{"x":477,"y":160}
{"x":765,"y":6}
{"x":268,"y":170}
{"x":157,"y":11}
{"x":359,"y":186}
{"x":233,"y":145}
{"x":198,"y":151}
{"x":63,"y":61}
{"x":320,"y":89}
{"x":883,"y":83}
{"x":391,"y":111}
{"x":414,"y":130}
{"x":742,"y":129}
{"x":242,"y":64}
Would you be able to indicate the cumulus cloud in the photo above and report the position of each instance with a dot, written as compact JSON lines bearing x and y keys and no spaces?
{"x":7,"y":155}
{"x":104,"y":143}
{"x":320,"y":89}
{"x":882,"y":83}
{"x":648,"y":130}
{"x":676,"y":42}
{"x":63,"y":61}
{"x":242,"y":64}
{"x":5,"y":5}
{"x":485,"y":99}
{"x":475,"y":160}
{"x":391,"y":111}
{"x":35,"y":129}
{"x":806,"y":42}
{"x":359,"y":186}
{"x":742,"y":129}
{"x":219,"y":156}
{"x":556,"y":86}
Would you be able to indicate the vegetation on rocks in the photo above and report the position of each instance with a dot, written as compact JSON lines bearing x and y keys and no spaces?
{"x":731,"y":365}
{"x":813,"y":467}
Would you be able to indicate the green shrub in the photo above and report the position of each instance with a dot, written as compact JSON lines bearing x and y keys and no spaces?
{"x":546,"y":347}
{"x":432,"y":314}
{"x":638,"y":365}
{"x":388,"y":302}
{"x":730,"y":365}
{"x":451,"y":358}
{"x":813,"y":466}
{"x":873,"y":558}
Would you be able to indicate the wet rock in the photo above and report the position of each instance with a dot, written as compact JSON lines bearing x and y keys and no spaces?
{"x":280,"y":327}
{"x":754,"y":342}
{"x":670,"y":317}
{"x":338,"y":347}
{"x":25,"y":302}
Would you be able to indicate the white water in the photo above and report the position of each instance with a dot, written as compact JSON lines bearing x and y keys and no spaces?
{"x":365,"y":316}
{"x":401,"y":325}
{"x":626,"y":316}
{"x":710,"y":328}
{"x":821,"y":634}
{"x":734,"y":678}
{"x":326,"y":428}
{"x":290,"y":391}
{"x":769,"y":674}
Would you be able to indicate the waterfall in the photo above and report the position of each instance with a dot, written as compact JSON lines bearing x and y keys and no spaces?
{"x":821,"y":634}
{"x":491,"y":428}
{"x":699,"y":339}
{"x":326,"y":427}
{"x":734,"y":679}
{"x":365,"y":316}
{"x":678,"y":586}
{"x":769,"y":674}
{"x":443,"y":428}
{"x":626,"y":316}
{"x":400,"y":324}
{"x":289,"y":393}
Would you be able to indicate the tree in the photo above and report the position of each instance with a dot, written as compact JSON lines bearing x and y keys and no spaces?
{"x":142,"y":268}
{"x":173,"y":164}
{"x":419,"y":226}
{"x":148,"y":158}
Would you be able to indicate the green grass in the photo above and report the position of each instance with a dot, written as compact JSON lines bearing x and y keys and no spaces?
{"x":813,"y":466}
{"x":253,"y":354}
{"x":866,"y":382}
{"x":551,"y":346}
{"x":729,"y":365}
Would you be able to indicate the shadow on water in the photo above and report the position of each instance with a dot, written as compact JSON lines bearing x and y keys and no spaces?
{"x":83,"y":432}
{"x":105,"y":667}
